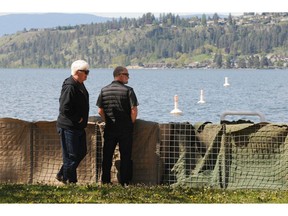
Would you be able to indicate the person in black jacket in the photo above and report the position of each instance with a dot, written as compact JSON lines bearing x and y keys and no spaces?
{"x":72,"y":121}
{"x":117,"y":104}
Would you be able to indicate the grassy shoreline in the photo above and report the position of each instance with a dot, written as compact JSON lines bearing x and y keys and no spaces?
{"x":137,"y":194}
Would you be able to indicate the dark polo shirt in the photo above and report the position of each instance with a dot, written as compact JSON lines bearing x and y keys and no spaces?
{"x":117,"y":100}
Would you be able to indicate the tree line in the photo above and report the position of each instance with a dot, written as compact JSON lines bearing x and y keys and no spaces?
{"x":248,"y":41}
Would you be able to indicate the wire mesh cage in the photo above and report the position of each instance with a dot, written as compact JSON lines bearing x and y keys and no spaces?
{"x":225,"y":156}
{"x":228,"y":156}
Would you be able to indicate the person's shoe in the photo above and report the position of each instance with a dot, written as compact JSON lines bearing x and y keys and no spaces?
{"x":125,"y":185}
{"x":106,"y":183}
{"x":72,"y":182}
{"x":60,"y":179}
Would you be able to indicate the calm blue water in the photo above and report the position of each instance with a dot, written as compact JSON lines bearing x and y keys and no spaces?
{"x":32,"y":94}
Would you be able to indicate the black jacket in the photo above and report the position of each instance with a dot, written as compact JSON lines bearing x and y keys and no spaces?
{"x":74,"y":105}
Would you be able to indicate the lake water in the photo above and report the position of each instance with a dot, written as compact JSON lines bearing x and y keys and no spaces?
{"x":32,"y":94}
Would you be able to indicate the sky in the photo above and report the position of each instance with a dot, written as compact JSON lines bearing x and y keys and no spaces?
{"x":135,"y":8}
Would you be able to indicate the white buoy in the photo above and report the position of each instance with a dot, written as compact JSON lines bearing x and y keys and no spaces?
{"x":201,"y":97}
{"x":226,"y":82}
{"x":176,"y":110}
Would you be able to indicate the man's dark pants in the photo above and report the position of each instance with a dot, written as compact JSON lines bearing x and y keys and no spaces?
{"x":74,"y":149}
{"x":124,"y":139}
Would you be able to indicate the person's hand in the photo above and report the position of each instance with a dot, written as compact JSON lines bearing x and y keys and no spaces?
{"x":81,"y":119}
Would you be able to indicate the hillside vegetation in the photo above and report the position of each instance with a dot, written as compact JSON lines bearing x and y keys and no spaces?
{"x":170,"y":41}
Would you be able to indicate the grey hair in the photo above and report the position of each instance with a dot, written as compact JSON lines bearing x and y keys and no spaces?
{"x":79,"y":65}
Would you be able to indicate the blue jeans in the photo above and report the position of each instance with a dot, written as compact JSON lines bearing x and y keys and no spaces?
{"x":74,"y":149}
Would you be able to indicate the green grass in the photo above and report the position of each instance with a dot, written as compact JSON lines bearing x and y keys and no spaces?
{"x":141,"y":194}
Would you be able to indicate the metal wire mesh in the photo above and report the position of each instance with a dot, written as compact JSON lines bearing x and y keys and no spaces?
{"x":226,"y":156}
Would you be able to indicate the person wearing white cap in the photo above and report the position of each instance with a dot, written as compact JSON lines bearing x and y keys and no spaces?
{"x":72,"y":121}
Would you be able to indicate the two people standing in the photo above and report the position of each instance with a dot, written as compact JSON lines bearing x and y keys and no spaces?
{"x":117,"y":104}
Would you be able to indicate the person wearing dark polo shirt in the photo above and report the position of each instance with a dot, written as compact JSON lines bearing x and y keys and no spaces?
{"x":117,"y":105}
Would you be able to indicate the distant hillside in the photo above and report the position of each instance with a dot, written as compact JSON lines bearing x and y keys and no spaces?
{"x":247,"y":41}
{"x":10,"y":24}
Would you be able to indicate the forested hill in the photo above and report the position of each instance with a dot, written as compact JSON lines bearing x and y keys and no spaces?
{"x":248,"y":41}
